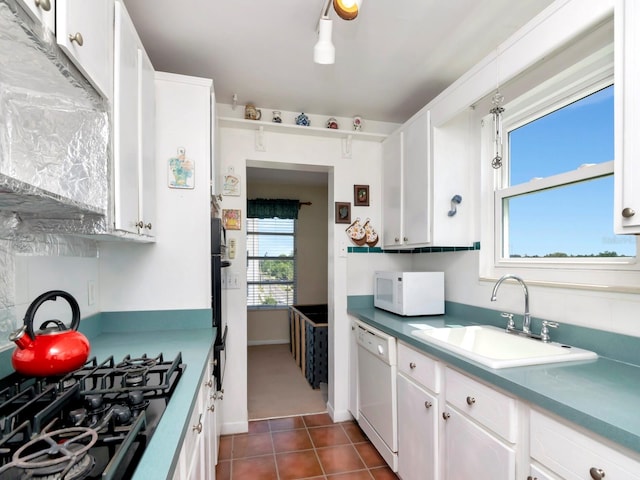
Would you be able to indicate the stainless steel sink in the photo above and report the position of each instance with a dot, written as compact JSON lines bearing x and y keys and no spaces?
{"x":495,"y":348}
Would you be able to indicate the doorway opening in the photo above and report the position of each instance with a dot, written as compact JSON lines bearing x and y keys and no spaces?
{"x":277,"y":383}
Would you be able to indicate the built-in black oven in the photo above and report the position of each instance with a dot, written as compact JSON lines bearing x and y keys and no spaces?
{"x":218,"y":262}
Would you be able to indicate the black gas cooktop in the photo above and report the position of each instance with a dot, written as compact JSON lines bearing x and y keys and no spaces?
{"x":92,"y":423}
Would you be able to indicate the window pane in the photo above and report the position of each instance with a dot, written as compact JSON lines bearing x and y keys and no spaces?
{"x":561,"y":141}
{"x":271,"y":276}
{"x":572,"y":220}
{"x":274,"y":295}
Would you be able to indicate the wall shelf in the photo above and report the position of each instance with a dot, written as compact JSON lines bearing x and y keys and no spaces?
{"x":298,"y":129}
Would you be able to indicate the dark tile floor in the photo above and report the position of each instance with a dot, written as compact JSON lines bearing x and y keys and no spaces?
{"x":300,"y":447}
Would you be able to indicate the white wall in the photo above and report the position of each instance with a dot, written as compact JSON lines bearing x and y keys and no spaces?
{"x":35,"y":275}
{"x":297,"y":152}
{"x":174,"y":272}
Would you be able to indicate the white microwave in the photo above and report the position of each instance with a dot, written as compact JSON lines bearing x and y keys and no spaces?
{"x":409,"y":293}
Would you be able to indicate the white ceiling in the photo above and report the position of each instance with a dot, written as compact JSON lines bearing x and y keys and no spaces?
{"x":390,"y":61}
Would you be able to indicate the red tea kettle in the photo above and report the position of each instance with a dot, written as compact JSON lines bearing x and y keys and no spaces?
{"x":54,"y":350}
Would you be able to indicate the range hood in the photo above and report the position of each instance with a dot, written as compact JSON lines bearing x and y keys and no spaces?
{"x":54,"y":129}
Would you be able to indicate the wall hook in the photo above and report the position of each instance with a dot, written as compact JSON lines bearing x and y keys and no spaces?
{"x":455,"y":201}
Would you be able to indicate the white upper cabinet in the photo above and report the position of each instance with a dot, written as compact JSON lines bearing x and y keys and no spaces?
{"x":134,"y":131}
{"x":627,"y":118}
{"x":405,"y":185}
{"x":84,"y":30}
{"x":43,"y":11}
{"x":424,"y":168}
{"x":146,"y":143}
{"x":392,"y":190}
{"x":453,"y":168}
{"x":416,"y":182}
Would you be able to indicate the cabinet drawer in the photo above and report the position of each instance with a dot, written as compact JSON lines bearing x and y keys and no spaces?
{"x":419,"y":367}
{"x":491,"y":408}
{"x":572,"y":454}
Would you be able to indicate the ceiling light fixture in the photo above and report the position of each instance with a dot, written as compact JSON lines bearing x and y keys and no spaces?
{"x":347,"y":9}
{"x":324,"y":52}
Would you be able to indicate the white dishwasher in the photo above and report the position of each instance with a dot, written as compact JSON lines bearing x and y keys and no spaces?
{"x":377,"y":402}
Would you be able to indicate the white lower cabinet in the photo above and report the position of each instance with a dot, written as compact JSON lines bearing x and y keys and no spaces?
{"x":418,"y":385}
{"x":473,"y":452}
{"x":199,"y":451}
{"x":417,"y":432}
{"x":569,"y":454}
{"x":453,"y":427}
{"x":480,"y":430}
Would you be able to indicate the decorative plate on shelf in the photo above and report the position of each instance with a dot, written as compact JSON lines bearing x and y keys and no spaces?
{"x":303,"y":120}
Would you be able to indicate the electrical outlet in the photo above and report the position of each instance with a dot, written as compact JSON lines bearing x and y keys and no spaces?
{"x":91,"y":292}
{"x":233,"y":281}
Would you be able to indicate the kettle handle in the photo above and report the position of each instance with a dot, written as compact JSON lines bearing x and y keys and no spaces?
{"x":51,"y":295}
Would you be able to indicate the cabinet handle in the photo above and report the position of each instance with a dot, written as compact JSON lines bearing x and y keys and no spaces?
{"x":76,"y":38}
{"x":428,"y":404}
{"x":212,"y":408}
{"x":471,"y":400}
{"x":628,"y":212}
{"x":140,"y":224}
{"x":532,"y":478}
{"x":596,"y":473}
{"x":412,"y":365}
{"x":446,"y":415}
{"x":148,"y":225}
{"x":43,"y":4}
{"x":198,"y":427}
{"x":405,"y":239}
{"x":209,"y":383}
{"x":397,"y":240}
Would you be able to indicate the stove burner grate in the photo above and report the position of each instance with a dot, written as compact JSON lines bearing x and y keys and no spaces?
{"x":62,"y":453}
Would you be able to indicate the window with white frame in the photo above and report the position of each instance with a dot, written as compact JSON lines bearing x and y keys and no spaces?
{"x":550,"y":210}
{"x":271,"y":262}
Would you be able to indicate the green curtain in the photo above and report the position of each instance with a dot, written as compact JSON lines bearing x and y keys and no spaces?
{"x":272,"y":208}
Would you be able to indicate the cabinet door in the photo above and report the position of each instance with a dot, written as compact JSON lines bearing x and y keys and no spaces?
{"x":417,"y":432}
{"x":126,"y":125}
{"x":84,"y":30}
{"x":416,"y":189}
{"x":44,"y":11}
{"x":392,"y":190}
{"x":472,"y":452}
{"x":627,"y":122}
{"x":146,"y":143}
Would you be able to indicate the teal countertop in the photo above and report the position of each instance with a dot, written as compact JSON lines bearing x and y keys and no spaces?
{"x":600,"y":395}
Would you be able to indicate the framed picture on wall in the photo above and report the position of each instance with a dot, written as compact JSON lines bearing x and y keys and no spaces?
{"x":231,"y":219}
{"x":343,"y":212}
{"x":361,"y":195}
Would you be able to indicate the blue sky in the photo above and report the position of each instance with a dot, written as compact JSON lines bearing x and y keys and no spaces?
{"x":577,"y":220}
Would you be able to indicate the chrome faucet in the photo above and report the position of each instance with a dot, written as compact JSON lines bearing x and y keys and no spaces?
{"x":526,"y":324}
